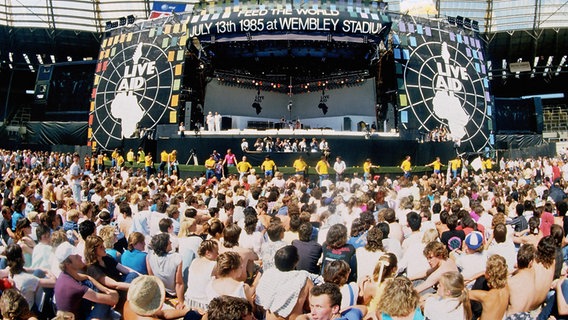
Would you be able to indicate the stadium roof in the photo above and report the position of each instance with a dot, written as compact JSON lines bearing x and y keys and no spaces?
{"x":34,"y":32}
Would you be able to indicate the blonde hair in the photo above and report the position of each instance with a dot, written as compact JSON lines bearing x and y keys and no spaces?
{"x":430,"y":235}
{"x":496,"y":272}
{"x":72,"y":214}
{"x":108,"y":235}
{"x":399,"y":298}
{"x":455,"y":287}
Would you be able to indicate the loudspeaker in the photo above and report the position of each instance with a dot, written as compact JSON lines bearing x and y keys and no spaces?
{"x":346,"y":124}
{"x":187,"y":118}
{"x":43,"y":80}
{"x":226,"y":123}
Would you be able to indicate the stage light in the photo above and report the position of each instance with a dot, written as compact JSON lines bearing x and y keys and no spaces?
{"x":108,"y":25}
{"x":475,"y":25}
{"x":122,"y":21}
{"x":131,"y":19}
{"x":459,"y":21}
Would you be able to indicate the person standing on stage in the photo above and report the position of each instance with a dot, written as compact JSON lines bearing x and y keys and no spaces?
{"x":367,"y":167}
{"x":300,"y":166}
{"x":210,"y":122}
{"x":217,"y":118}
{"x":181,"y":129}
{"x":406,"y":167}
{"x":339,"y":167}
{"x":322,"y":168}
{"x":437,"y":166}
{"x":243,"y":167}
{"x":269,"y":167}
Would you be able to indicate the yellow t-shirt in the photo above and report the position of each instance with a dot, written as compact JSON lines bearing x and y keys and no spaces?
{"x":172,"y":157}
{"x":456,"y":163}
{"x":367,"y":167}
{"x":130,"y":156}
{"x":120,"y":160}
{"x":268,"y":165}
{"x":210,"y":163}
{"x":322,"y":167}
{"x":300,"y":165}
{"x":148,"y":161}
{"x":243,"y":166}
{"x":405,"y":165}
{"x":164,"y":156}
{"x":437,"y":165}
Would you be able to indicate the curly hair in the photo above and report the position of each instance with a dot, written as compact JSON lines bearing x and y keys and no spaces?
{"x":374,"y":240}
{"x":437,"y":249}
{"x":227,"y":262}
{"x":207,"y":245}
{"x":336,"y":236}
{"x":159,"y":244}
{"x":399,"y":298}
{"x":357,"y":227}
{"x":228,"y":308}
{"x":496,"y":272}
{"x":91,"y":245}
{"x":108,"y":235}
{"x":336,"y":272}
{"x":546,"y":251}
{"x":13,"y":305}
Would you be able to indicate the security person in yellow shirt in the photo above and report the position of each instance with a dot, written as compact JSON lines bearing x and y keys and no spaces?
{"x":130,"y":157}
{"x":300,"y":166}
{"x":243,"y":167}
{"x":268,"y":166}
{"x":148,"y":165}
{"x":322,"y":168}
{"x":163,"y":161}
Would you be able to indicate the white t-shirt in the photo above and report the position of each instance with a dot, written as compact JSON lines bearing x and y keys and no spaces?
{"x":164,"y":267}
{"x":437,"y":308}
{"x":27,"y":284}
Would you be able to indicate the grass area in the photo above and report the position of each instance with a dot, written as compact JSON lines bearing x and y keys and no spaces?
{"x":191,"y":170}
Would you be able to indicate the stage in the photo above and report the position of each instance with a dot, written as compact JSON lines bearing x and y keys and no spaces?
{"x":384,"y":148}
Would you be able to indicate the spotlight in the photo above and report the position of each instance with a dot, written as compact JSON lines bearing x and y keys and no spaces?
{"x":131,"y":19}
{"x":122,"y":21}
{"x":108,"y":25}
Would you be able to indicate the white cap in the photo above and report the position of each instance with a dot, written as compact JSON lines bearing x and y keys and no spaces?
{"x":64,"y":250}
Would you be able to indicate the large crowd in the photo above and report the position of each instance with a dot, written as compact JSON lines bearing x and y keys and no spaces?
{"x":116,"y":242}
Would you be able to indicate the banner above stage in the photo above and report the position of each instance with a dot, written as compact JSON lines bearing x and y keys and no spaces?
{"x":263,"y":22}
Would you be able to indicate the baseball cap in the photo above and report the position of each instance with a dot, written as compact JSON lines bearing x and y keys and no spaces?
{"x":474,"y":240}
{"x":65,"y":250}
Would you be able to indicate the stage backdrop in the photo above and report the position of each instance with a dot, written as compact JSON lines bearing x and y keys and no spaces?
{"x":442,"y":80}
{"x":137,"y":80}
{"x":356,"y":100}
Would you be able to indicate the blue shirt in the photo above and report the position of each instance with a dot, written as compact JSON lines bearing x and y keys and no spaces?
{"x":135,"y":259}
{"x":15,"y":217}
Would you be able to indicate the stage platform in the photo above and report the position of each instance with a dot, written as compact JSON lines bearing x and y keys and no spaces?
{"x":384,"y":148}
